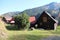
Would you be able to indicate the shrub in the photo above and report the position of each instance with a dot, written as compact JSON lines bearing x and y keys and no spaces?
{"x":10,"y":27}
{"x":22,"y":21}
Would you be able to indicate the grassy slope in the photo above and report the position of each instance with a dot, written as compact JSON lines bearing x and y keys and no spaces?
{"x":3,"y":31}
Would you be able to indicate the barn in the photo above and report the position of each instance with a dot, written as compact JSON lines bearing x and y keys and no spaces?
{"x":46,"y":21}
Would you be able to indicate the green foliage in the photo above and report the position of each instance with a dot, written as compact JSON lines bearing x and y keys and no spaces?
{"x":10,"y":27}
{"x":22,"y":21}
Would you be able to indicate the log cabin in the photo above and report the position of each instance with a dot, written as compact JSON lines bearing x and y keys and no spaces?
{"x":46,"y":21}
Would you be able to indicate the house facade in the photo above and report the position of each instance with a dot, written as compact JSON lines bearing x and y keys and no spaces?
{"x":46,"y":21}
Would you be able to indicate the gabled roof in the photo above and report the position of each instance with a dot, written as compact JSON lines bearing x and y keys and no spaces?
{"x":32,"y":19}
{"x":8,"y":18}
{"x":50,"y":16}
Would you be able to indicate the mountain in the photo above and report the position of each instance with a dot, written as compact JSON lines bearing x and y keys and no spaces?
{"x":53,"y":8}
{"x":10,"y":14}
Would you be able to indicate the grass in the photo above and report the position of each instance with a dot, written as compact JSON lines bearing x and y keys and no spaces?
{"x":3,"y":31}
{"x":26,"y":35}
{"x":32,"y":35}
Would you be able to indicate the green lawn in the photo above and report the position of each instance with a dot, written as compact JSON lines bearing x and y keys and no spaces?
{"x":32,"y":35}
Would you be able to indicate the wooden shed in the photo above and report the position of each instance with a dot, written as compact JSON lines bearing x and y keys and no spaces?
{"x":46,"y":21}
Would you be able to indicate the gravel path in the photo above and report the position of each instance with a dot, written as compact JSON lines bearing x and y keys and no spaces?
{"x":52,"y":38}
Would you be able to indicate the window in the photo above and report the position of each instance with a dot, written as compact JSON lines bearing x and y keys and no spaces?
{"x":44,"y":19}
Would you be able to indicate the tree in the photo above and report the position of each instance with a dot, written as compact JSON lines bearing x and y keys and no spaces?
{"x":4,"y":19}
{"x":22,"y":21}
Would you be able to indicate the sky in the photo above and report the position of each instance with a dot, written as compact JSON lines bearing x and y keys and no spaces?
{"x":21,"y":5}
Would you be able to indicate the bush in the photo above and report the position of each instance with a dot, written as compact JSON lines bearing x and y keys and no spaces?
{"x":10,"y":27}
{"x":22,"y":21}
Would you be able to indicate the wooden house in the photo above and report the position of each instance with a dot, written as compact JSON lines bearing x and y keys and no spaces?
{"x":46,"y":21}
{"x":32,"y":21}
{"x":9,"y":20}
